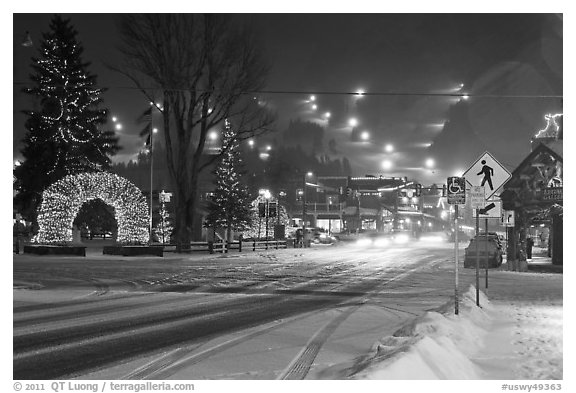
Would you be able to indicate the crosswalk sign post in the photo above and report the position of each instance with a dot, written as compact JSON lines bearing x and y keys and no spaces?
{"x":477,"y":197}
{"x":488,"y":173}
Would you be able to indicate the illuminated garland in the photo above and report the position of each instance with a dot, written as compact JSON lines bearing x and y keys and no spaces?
{"x":62,"y":201}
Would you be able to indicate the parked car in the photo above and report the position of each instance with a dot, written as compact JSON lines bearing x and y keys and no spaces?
{"x":324,"y":238}
{"x":489,"y":252}
{"x":462,"y":236}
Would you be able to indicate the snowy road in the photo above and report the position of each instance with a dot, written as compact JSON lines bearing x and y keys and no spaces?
{"x":281,"y":314}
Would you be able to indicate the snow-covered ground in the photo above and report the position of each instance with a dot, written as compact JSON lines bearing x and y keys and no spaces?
{"x":516,"y":334}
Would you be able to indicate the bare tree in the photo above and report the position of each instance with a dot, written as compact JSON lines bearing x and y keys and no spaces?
{"x":205,"y":68}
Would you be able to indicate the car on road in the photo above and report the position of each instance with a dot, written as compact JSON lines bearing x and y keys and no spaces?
{"x":324,"y":238}
{"x":489,"y":252}
{"x":374,"y":240}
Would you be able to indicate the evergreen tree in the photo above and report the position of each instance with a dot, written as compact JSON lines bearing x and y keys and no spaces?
{"x":164,"y":227}
{"x":258,"y":228}
{"x":64,"y":136}
{"x":230,"y":204}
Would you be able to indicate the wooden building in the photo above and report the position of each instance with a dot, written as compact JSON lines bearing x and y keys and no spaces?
{"x":535,"y":194}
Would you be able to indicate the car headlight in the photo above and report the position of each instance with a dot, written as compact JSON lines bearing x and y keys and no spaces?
{"x":432,"y":239}
{"x":364,"y":242}
{"x":383,"y":242}
{"x":401,"y":239}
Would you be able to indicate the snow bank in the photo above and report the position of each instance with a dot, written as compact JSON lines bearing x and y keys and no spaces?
{"x":436,"y":346}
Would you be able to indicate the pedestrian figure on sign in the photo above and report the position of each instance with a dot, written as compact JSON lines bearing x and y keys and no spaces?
{"x":488,"y":172}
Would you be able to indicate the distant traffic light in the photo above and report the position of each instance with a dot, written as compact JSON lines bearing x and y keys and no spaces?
{"x":261,"y":209}
{"x":348,"y":192}
{"x":418,"y":190}
{"x":272,"y":210}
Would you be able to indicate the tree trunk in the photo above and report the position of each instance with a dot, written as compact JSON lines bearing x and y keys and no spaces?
{"x":186,"y":200}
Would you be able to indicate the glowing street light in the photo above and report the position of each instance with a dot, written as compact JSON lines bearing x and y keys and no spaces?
{"x":360,"y":92}
{"x":312,"y":98}
{"x":429,"y":163}
{"x":114,"y":119}
{"x":327,"y":115}
{"x":155,"y":130}
{"x":353,"y":122}
{"x":365,"y":135}
{"x":386,"y":164}
{"x":265,"y":193}
{"x":118,"y":126}
{"x":314,"y":107}
{"x":389,"y":148}
{"x":251,"y":142}
{"x":213,"y":136}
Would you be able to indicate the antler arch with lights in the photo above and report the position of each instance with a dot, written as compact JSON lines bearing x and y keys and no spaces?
{"x":62,"y":201}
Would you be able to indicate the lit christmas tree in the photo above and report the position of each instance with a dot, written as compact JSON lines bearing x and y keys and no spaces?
{"x":258,"y":228}
{"x":64,"y":135}
{"x":230,"y":204}
{"x":164,"y":228}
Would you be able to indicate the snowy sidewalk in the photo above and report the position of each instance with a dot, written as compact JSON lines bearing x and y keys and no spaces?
{"x":516,"y":334}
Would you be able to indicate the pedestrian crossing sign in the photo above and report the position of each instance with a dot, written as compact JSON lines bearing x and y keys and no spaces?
{"x":487,"y":172}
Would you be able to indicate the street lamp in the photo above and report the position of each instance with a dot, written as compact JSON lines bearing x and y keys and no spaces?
{"x":304,"y":207}
{"x":429,"y":163}
{"x":387,"y":164}
{"x":389,"y":148}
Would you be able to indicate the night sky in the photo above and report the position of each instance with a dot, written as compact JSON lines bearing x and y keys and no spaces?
{"x":403,"y":62}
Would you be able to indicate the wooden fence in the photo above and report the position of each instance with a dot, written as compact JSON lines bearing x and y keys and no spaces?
{"x":224,"y":247}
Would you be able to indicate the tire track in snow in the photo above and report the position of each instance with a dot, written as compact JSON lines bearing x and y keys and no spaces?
{"x":301,"y":364}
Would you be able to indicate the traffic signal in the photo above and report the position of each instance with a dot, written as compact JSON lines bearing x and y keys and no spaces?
{"x":272,"y":210}
{"x":418,"y":190}
{"x":348,"y":192}
{"x":261,"y":209}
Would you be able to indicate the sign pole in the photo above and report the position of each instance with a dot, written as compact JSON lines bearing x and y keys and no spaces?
{"x":477,"y":258}
{"x":486,"y":249}
{"x":267,"y":207}
{"x":456,"y":194}
{"x":456,"y":258}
